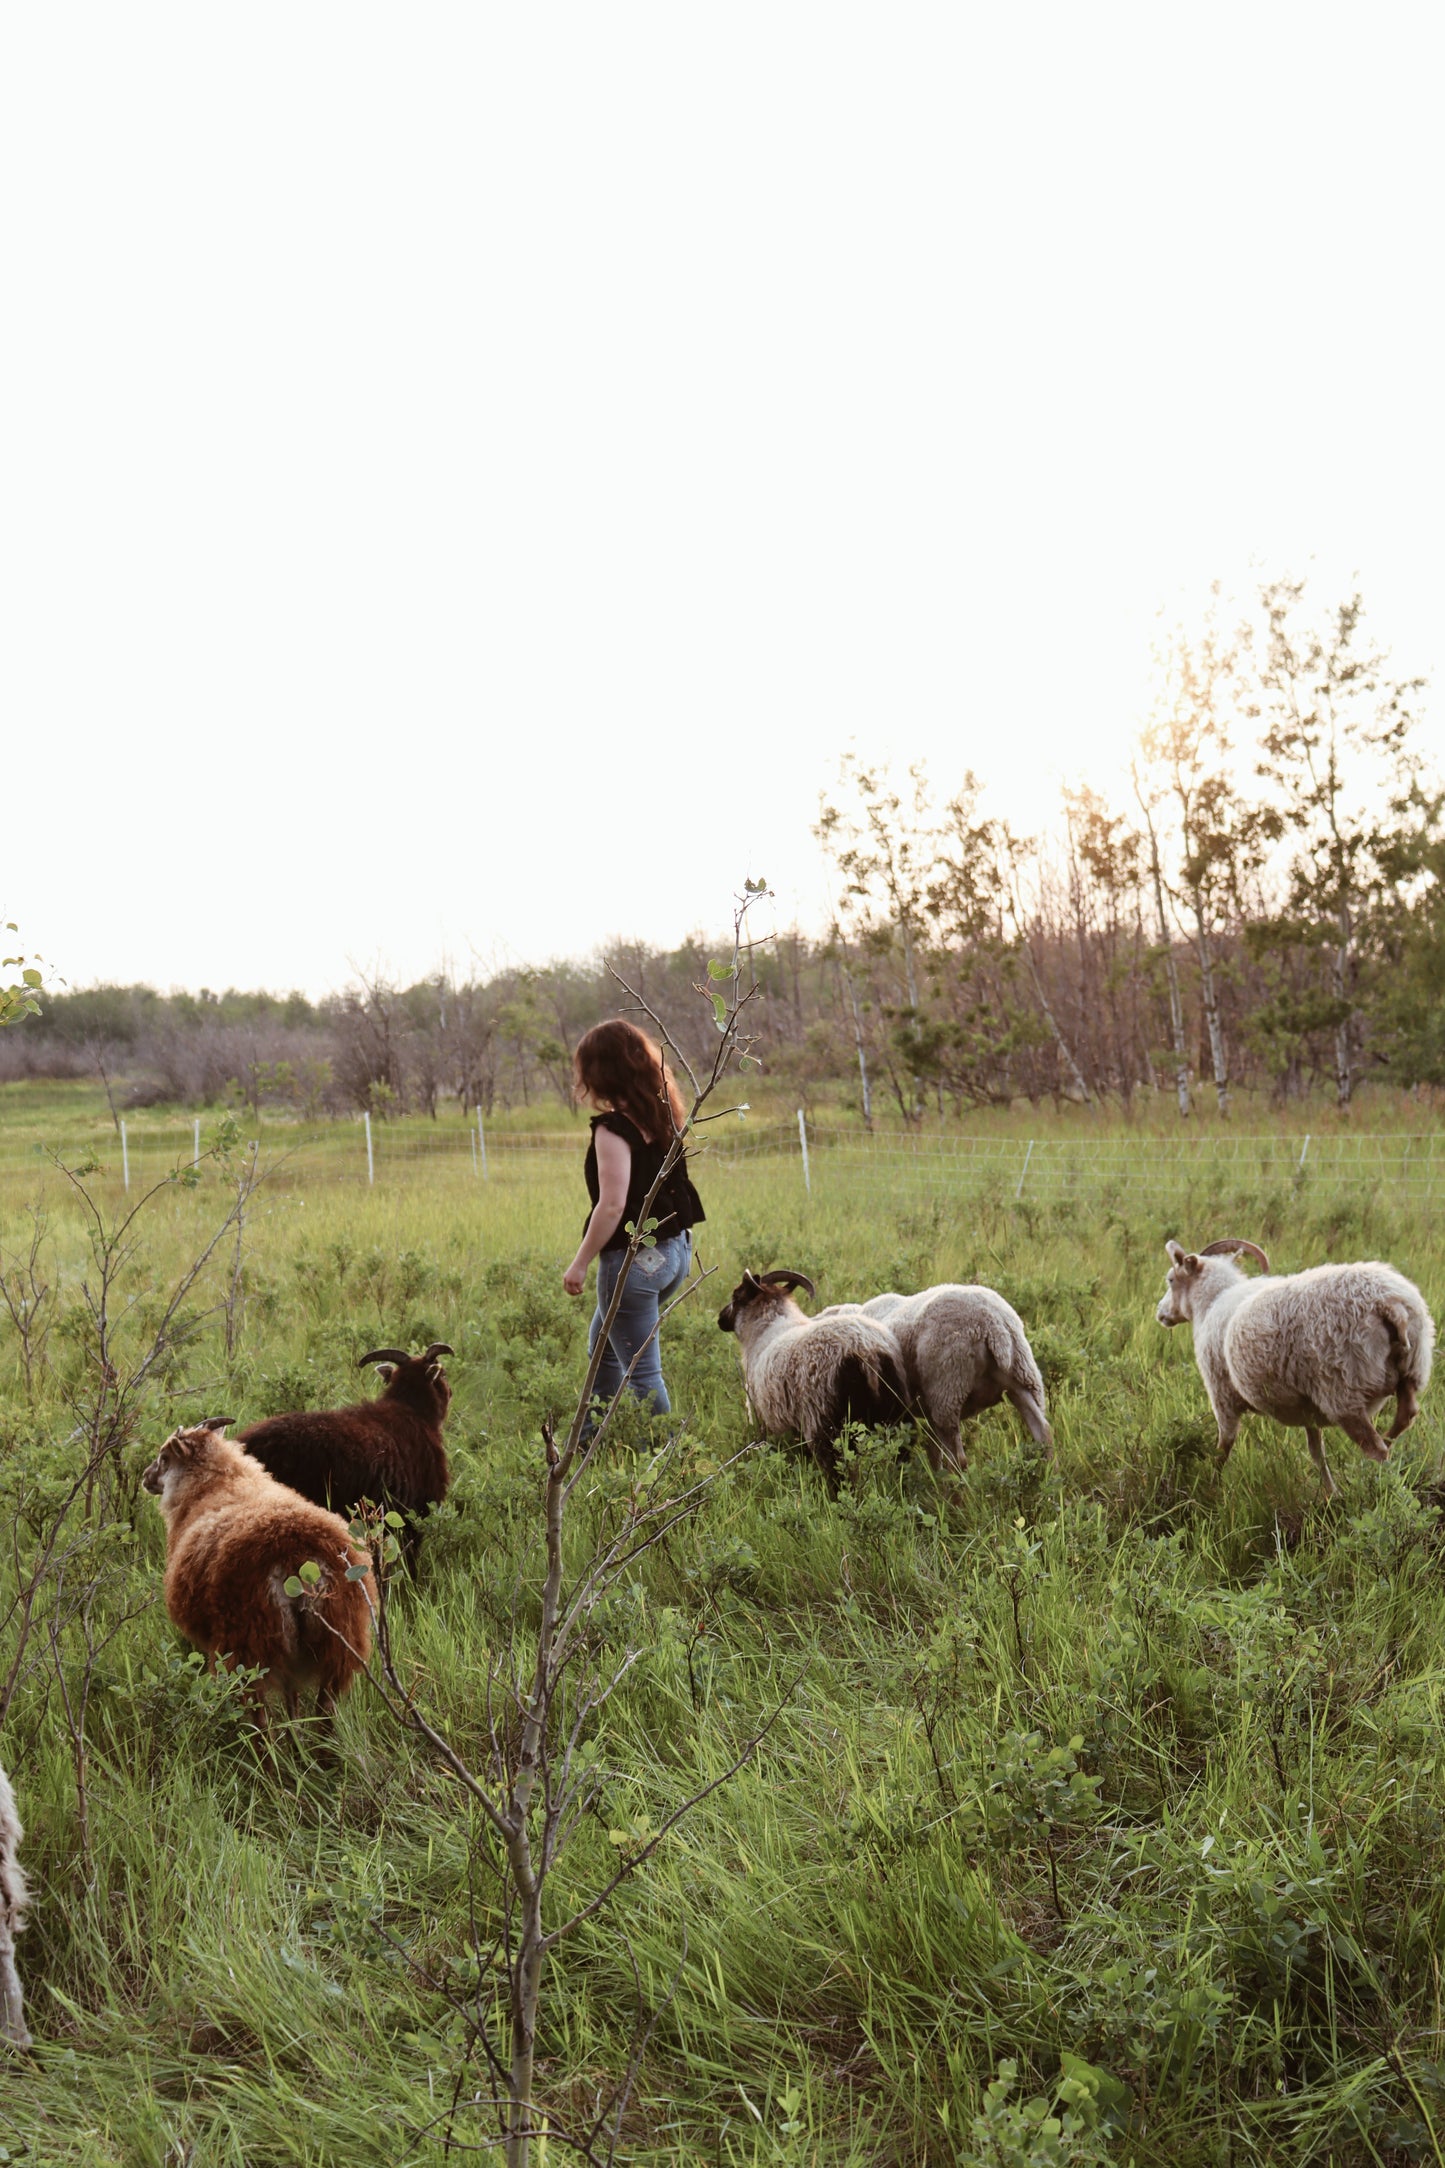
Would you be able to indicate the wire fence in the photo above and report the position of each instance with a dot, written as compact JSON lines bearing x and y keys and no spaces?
{"x":822,"y":1161}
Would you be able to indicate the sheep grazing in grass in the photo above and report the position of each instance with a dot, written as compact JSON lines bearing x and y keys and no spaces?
{"x":809,"y":1376}
{"x":1324,"y":1347}
{"x":387,"y":1451}
{"x":964,"y":1349}
{"x":14,"y":1898}
{"x":257,"y":1575}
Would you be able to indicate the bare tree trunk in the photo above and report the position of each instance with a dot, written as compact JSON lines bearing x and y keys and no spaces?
{"x":1209,"y":996}
{"x":1171,"y":968}
{"x":858,"y":1042}
{"x":1339,"y":975}
{"x":1066,"y":1051}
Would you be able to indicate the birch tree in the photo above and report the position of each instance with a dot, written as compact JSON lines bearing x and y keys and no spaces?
{"x":1337,"y":748}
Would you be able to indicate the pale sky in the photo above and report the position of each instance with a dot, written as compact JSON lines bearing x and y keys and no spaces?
{"x":470,"y":470}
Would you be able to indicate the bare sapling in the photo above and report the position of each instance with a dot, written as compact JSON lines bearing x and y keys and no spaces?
{"x":546,"y":1696}
{"x":66,"y":1517}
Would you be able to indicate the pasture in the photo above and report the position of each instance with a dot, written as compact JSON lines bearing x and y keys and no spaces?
{"x":1116,"y":1769}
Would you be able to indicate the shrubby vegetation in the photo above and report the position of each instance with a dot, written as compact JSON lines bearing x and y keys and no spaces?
{"x":1266,"y":909}
{"x":1101,"y":1822}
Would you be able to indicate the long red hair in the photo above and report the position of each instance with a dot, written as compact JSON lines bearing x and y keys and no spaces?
{"x":617,"y":1062}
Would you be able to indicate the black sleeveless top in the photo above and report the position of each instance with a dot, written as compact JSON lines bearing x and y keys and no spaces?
{"x":677,"y":1204}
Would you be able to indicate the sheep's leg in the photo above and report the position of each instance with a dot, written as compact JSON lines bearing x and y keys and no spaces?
{"x":12,"y":2002}
{"x":1228,"y":1423}
{"x":943,"y":1443}
{"x":825,"y":1453}
{"x":292,"y":1694}
{"x":1407,"y":1407}
{"x":1315,"y":1439}
{"x":1031,"y":1408}
{"x":1365,"y":1435}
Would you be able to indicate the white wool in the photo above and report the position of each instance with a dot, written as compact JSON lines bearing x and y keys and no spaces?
{"x":14,"y":1898}
{"x":1324,"y":1347}
{"x":964,"y":1349}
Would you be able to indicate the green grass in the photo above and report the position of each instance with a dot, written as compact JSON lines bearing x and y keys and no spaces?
{"x":1227,"y":1895}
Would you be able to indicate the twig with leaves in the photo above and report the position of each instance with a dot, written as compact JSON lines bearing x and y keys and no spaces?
{"x":544,"y":1703}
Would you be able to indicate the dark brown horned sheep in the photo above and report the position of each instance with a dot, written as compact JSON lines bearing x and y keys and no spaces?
{"x":234,"y":1538}
{"x":387,"y":1451}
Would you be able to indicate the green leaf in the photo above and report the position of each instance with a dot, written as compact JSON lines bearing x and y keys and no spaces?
{"x":311,"y":1573}
{"x":720,"y":1012}
{"x":292,"y":1586}
{"x":357,"y":1573}
{"x":715,"y":970}
{"x":394,"y":1520}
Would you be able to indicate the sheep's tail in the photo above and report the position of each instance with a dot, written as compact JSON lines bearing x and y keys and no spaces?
{"x":1412,"y":1334}
{"x":331,"y":1619}
{"x":1009,"y":1346}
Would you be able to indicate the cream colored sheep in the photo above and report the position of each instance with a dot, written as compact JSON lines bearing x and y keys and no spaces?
{"x":1328,"y":1346}
{"x":964,"y":1349}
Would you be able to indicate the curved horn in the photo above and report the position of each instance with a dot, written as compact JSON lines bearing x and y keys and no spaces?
{"x":384,"y":1355}
{"x":1232,"y":1246}
{"x":438,"y":1347}
{"x":786,"y":1278}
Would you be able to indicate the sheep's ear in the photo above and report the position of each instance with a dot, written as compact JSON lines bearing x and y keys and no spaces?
{"x":751,"y":1280}
{"x":1176,"y":1251}
{"x":216,"y":1422}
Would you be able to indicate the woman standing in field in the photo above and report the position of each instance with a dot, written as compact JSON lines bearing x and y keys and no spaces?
{"x":622,"y":1075}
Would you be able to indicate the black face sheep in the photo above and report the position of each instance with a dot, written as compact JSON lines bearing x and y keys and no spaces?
{"x":808,"y":1376}
{"x":234,"y":1538}
{"x":1316,"y":1348}
{"x":388,"y":1450}
{"x":964,"y":1349}
{"x":14,"y":1897}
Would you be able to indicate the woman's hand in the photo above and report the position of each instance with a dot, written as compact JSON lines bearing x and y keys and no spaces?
{"x":574,"y":1279}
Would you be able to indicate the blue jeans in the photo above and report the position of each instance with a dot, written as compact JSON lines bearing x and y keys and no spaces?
{"x":655,"y":1278}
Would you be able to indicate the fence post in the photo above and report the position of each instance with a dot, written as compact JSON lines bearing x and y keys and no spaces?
{"x":473,"y":1143}
{"x":1028,"y":1155}
{"x":803,"y":1140}
{"x":1301,"y":1167}
{"x":370,"y":1162}
{"x":196,"y":1158}
{"x":482,"y":1145}
{"x":124,"y":1158}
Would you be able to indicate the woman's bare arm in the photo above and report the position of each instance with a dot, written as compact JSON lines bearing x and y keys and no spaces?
{"x":614,"y":1172}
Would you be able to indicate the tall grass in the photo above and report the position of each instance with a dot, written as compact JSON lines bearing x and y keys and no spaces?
{"x":1115,"y":1758}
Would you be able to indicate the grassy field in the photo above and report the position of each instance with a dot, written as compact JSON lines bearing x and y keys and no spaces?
{"x":1116,"y":1766}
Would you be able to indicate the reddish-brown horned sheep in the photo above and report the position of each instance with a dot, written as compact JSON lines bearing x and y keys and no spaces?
{"x":1326,"y":1346}
{"x":811,"y":1375}
{"x":388,"y":1450}
{"x":14,"y":1897}
{"x":234,"y":1538}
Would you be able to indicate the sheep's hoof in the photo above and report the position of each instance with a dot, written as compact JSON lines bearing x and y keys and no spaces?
{"x":1376,"y":1449}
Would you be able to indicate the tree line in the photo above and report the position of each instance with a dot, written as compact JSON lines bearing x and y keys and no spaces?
{"x":1263,"y":906}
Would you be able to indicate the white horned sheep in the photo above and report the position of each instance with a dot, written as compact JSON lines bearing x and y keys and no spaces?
{"x":964,"y":1349}
{"x":14,"y":1898}
{"x":1312,"y":1349}
{"x":809,"y":1376}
